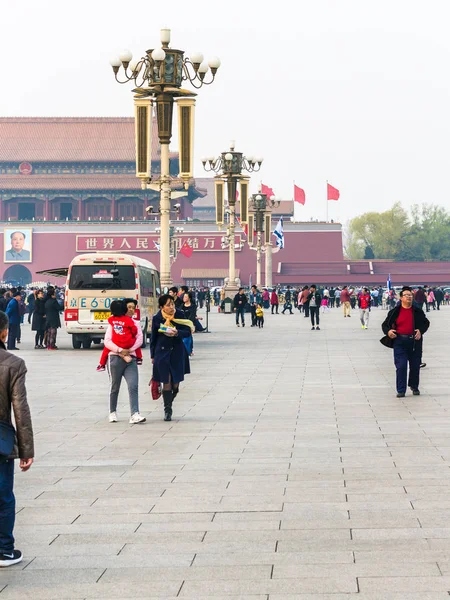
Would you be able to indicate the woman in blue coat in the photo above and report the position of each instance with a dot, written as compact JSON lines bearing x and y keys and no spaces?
{"x":168,"y":353}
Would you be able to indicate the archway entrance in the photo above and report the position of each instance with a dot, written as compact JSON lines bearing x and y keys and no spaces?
{"x":17,"y":275}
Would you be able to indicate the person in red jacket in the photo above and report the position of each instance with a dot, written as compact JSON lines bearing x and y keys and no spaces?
{"x":274,"y":300}
{"x":364,"y":300}
{"x":124,"y":331}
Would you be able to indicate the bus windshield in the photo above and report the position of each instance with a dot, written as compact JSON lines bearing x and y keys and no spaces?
{"x":105,"y":276}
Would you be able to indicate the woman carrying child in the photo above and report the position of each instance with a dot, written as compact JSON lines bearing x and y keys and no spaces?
{"x":122,"y":341}
{"x":124,"y":331}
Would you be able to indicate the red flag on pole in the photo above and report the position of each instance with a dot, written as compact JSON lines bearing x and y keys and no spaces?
{"x":299,"y":195}
{"x":332,"y":193}
{"x":186,"y":250}
{"x":265,"y":189}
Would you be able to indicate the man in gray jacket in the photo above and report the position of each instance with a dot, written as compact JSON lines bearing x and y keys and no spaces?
{"x":13,"y":398}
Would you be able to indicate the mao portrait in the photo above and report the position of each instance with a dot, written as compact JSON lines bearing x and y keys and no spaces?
{"x":17,"y":244}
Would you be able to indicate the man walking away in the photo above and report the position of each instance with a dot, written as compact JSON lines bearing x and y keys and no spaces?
{"x":420,"y":297}
{"x":201,"y":297}
{"x":337,"y":297}
{"x":364,"y":307}
{"x":239,"y":303}
{"x":405,"y":325}
{"x":274,"y":300}
{"x":314,"y":300}
{"x":332,"y":293}
{"x":287,"y":301}
{"x":439,"y":296}
{"x":345,"y":301}
{"x":375,"y":297}
{"x":13,"y":398}
{"x":13,"y":313}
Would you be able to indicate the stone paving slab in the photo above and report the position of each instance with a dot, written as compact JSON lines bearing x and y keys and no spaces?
{"x":290,"y":472}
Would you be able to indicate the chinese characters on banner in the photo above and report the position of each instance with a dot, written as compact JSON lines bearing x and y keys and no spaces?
{"x":146,"y":243}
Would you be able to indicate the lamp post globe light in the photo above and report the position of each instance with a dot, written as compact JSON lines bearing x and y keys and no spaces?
{"x":158,"y":77}
{"x":230,"y":168}
{"x":260,"y":221}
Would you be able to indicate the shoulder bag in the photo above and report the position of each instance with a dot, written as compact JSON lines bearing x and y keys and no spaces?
{"x":7,"y":438}
{"x":387,"y":341}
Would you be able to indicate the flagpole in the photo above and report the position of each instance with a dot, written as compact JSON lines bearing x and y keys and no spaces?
{"x":293,"y":203}
{"x":326,"y":197}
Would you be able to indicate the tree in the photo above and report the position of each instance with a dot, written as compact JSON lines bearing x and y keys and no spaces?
{"x":392,"y":234}
{"x":428,"y":237}
{"x":380,"y":232}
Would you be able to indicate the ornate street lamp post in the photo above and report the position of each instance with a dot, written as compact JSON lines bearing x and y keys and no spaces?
{"x":158,"y":77}
{"x":229,"y":167}
{"x":260,"y":221}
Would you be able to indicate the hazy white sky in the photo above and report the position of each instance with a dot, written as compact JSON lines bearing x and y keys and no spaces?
{"x":351,"y":91}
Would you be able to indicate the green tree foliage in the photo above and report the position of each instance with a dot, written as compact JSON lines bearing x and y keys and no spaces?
{"x":381,"y":232}
{"x":422,"y":236}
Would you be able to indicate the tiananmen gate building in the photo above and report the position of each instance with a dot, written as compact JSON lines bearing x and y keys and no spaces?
{"x":68,"y":185}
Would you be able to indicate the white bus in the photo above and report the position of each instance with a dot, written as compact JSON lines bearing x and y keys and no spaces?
{"x":94,"y":281}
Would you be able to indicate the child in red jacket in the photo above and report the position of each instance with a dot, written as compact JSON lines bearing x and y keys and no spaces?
{"x":124,"y":332}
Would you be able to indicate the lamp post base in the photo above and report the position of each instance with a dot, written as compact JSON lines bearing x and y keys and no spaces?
{"x":231,"y":290}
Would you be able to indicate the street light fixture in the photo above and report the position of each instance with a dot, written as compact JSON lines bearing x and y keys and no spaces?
{"x":158,"y":77}
{"x":229,"y":168}
{"x":260,"y":220}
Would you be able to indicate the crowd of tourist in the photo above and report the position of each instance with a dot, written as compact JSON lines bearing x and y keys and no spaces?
{"x":172,"y":347}
{"x":311,"y":301}
{"x":40,"y":306}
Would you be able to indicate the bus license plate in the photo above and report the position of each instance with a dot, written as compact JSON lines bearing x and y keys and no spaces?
{"x":101,"y":316}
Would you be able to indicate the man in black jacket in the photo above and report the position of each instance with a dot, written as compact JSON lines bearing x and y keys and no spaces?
{"x":314,"y":299}
{"x":3,"y":300}
{"x":439,"y":296}
{"x":287,"y":301}
{"x":405,"y":325}
{"x":173,"y":291}
{"x":239,"y":304}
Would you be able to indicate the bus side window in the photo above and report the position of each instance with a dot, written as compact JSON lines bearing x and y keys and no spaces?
{"x":146,"y":282}
{"x":157,"y":283}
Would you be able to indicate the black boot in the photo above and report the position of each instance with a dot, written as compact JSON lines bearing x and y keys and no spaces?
{"x":175,"y":390}
{"x":168,"y":399}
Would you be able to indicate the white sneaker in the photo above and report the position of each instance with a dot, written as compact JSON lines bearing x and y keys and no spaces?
{"x":136,"y":418}
{"x":113,"y":417}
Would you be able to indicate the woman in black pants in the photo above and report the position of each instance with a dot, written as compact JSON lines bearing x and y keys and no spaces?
{"x":314,"y":299}
{"x":38,"y":320}
{"x":190,"y":312}
{"x":167,"y":350}
{"x":52,"y":320}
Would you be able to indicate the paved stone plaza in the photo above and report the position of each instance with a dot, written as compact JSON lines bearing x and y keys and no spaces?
{"x":291,"y":472}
